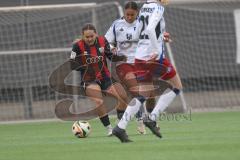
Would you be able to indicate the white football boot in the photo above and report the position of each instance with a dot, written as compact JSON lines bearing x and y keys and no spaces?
{"x":109,"y":130}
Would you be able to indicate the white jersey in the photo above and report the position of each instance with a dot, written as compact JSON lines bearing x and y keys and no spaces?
{"x":151,"y":25}
{"x":123,"y":35}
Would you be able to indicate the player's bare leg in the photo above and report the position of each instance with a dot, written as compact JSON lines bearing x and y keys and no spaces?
{"x":163,"y":103}
{"x":146,"y":108}
{"x":131,"y":83}
{"x":118,"y":91}
{"x":150,"y":104}
{"x":176,"y":82}
{"x":93,"y":91}
{"x":145,"y":89}
{"x":165,"y":99}
{"x":131,"y":110}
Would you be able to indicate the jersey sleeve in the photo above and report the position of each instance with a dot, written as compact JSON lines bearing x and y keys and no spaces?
{"x":139,"y":26}
{"x":154,"y":19}
{"x":107,"y":49}
{"x":75,"y":51}
{"x":111,"y":35}
{"x":75,"y":57}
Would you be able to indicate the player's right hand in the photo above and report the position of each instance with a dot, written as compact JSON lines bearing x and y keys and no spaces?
{"x":113,"y":49}
{"x":166,"y":37}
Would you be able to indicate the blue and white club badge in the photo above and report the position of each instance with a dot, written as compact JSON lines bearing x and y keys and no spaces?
{"x":101,"y":50}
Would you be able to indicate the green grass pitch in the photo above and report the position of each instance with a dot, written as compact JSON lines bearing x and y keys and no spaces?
{"x":207,"y":136}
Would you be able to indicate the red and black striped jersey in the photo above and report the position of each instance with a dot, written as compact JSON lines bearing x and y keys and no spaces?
{"x":92,"y":59}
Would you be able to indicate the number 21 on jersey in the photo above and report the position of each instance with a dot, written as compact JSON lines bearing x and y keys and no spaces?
{"x":144,"y":20}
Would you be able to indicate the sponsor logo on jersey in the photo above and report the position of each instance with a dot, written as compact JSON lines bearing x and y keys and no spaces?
{"x":95,"y":59}
{"x":129,"y":36}
{"x":125,"y":45}
{"x":121,"y":30}
{"x":101,"y":50}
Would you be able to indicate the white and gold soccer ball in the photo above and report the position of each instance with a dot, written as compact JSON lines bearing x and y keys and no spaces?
{"x":81,"y":129}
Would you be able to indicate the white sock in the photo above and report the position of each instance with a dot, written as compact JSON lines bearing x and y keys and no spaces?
{"x":109,"y":126}
{"x":129,"y":113}
{"x":162,"y":104}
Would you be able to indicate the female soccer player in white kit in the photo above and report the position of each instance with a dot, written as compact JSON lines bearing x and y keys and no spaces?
{"x":150,"y":59}
{"x":123,"y":37}
{"x":151,"y":49}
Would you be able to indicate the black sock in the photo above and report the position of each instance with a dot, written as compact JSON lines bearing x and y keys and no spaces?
{"x":139,"y":114}
{"x":176,"y":91}
{"x":105,"y":120}
{"x":149,"y":110}
{"x":120,"y":114}
{"x":141,"y":98}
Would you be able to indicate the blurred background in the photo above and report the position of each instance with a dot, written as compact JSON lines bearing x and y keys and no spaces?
{"x":35,"y":40}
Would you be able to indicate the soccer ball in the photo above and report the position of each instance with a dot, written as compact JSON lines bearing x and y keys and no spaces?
{"x":81,"y":129}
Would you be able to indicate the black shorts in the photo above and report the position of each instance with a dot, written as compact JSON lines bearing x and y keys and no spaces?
{"x":104,"y":83}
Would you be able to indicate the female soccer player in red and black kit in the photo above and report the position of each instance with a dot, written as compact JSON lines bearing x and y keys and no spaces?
{"x":91,"y":53}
